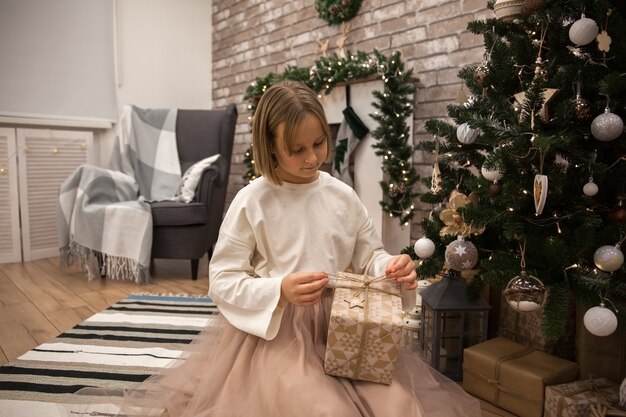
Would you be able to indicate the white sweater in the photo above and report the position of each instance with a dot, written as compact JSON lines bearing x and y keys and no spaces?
{"x":271,"y":231}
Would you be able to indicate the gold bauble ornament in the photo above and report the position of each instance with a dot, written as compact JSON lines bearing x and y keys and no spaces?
{"x":481,"y":73}
{"x":582,"y":109}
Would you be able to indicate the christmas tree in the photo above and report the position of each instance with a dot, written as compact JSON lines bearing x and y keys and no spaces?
{"x":530,"y":167}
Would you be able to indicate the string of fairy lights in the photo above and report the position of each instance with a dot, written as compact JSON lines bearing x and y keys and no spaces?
{"x":392,"y":107}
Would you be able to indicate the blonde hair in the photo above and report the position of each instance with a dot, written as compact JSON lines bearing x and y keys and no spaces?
{"x":287,"y":102}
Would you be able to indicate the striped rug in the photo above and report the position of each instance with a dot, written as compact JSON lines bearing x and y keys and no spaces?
{"x":116,"y":348}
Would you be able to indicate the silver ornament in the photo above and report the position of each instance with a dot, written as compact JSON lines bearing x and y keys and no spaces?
{"x":583,"y":31}
{"x":600,"y":321}
{"x":607,"y":126}
{"x":608,"y":258}
{"x":466,"y":134}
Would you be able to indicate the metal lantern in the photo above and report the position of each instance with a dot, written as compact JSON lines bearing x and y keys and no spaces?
{"x":451,"y":323}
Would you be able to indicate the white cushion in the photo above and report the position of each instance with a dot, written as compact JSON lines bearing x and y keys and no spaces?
{"x":191,"y":177}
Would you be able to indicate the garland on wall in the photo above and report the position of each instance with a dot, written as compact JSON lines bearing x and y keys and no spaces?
{"x":335,"y":12}
{"x":393,"y":106}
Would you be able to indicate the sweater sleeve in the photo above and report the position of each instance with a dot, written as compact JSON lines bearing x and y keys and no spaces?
{"x":247,"y":301}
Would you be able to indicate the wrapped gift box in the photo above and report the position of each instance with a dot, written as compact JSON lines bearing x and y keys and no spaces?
{"x":525,"y":328}
{"x":365,"y":328}
{"x":513,"y":376}
{"x":575,"y":399}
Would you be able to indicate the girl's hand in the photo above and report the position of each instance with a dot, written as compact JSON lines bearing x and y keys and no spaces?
{"x":402,"y":269}
{"x":303,"y":288}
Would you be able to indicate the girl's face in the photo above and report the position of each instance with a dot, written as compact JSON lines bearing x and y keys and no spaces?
{"x":301,"y":164}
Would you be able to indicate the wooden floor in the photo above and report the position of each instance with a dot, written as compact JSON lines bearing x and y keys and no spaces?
{"x":39,"y":300}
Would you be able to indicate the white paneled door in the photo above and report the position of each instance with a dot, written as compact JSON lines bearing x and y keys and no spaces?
{"x":39,"y":160}
{"x":10,"y":240}
{"x":46,"y":158}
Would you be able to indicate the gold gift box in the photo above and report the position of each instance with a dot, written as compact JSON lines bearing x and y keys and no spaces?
{"x":365,"y":328}
{"x":513,"y":376}
{"x":575,"y":399}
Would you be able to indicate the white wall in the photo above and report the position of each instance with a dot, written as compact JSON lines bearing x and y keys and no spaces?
{"x":57,"y":61}
{"x":164,"y":53}
{"x":163,"y":57}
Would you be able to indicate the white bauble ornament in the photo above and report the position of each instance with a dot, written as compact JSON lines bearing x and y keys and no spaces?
{"x":461,"y":255}
{"x":424,"y":247}
{"x":583,"y":31}
{"x":591,"y":188}
{"x":600,"y":321}
{"x":466,"y":134}
{"x":607,"y":126}
{"x":608,"y":258}
{"x":491,"y":174}
{"x":508,"y":10}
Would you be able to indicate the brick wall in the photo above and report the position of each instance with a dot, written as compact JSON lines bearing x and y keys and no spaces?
{"x":254,"y":37}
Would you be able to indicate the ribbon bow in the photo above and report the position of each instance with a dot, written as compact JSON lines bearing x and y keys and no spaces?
{"x":454,"y":224}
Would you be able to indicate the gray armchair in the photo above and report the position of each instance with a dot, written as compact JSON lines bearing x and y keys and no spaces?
{"x":189,"y":230}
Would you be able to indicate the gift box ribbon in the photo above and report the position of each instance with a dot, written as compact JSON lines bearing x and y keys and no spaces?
{"x":496,"y":380}
{"x":362,"y":284}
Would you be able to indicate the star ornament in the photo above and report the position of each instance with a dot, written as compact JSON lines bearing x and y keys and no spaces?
{"x":460,"y":250}
{"x":548,"y":95}
{"x":355,"y":302}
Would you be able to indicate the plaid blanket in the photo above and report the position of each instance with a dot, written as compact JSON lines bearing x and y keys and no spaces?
{"x":103,"y":218}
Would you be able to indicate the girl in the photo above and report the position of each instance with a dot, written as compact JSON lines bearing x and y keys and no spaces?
{"x":282,"y":237}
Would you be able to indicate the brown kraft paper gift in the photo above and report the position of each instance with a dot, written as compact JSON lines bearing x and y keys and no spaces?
{"x":575,"y":399}
{"x":513,"y":376}
{"x":365,"y":328}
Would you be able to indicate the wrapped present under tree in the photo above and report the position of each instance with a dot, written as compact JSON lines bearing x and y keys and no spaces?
{"x":513,"y":376}
{"x":576,"y":398}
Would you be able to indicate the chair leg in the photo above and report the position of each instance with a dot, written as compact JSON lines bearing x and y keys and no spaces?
{"x":194,"y":268}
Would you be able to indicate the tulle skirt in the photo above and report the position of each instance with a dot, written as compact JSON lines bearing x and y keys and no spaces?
{"x":230,"y":373}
